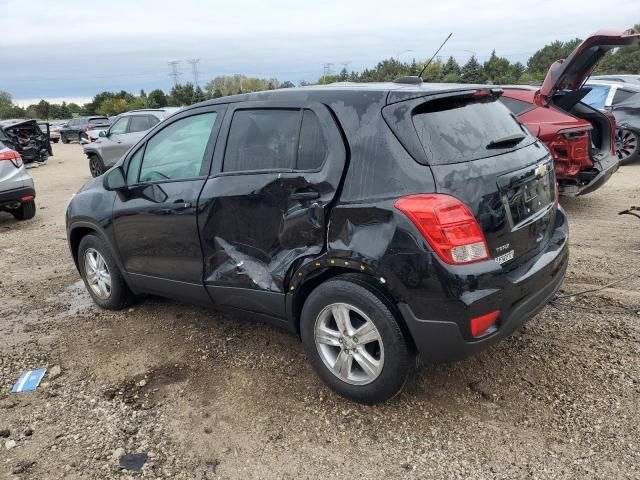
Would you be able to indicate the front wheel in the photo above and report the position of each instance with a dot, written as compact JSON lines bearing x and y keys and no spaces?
{"x":64,"y":139}
{"x":101,"y":275}
{"x":627,"y":145}
{"x":354,"y":341}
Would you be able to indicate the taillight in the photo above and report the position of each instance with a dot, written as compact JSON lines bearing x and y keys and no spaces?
{"x":13,"y":156}
{"x":482,"y":324}
{"x":448,"y":225}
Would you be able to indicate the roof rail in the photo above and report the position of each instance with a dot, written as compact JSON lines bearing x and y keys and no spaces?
{"x":411,"y":80}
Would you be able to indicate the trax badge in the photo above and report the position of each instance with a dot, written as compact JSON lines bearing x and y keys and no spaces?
{"x":541,"y":171}
{"x":504,"y":258}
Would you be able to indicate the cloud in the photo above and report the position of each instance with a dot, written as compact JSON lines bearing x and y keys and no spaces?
{"x":71,"y":50}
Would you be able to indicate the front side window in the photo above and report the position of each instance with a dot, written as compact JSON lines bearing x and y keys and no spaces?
{"x":262,"y":140}
{"x":177,"y":151}
{"x":134,"y":167}
{"x":120,"y":126}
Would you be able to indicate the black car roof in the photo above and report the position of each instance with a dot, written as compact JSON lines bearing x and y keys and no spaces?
{"x":411,"y":90}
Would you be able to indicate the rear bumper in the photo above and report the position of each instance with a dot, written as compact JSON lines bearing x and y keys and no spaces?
{"x":9,"y":197}
{"x":520,"y":298}
{"x":607,"y":167}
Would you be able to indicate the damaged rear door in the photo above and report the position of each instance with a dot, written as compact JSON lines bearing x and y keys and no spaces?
{"x":278,"y":167}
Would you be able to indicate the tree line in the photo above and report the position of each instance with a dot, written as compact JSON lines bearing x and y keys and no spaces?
{"x":496,"y":70}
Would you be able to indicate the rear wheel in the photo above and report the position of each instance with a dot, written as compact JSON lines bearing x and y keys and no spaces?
{"x":26,"y":211}
{"x":354,"y":342}
{"x":627,"y":145}
{"x":101,"y":275}
{"x":96,"y":167}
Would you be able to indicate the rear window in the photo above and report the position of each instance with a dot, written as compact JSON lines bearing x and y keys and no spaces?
{"x":99,"y":120}
{"x":459,"y":130}
{"x":597,"y":96}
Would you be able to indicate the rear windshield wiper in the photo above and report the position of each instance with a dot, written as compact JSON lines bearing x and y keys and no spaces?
{"x":508,"y":141}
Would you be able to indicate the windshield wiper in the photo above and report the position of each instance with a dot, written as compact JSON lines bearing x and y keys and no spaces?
{"x":508,"y":141}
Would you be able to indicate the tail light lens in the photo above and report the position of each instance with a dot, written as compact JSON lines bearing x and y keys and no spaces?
{"x":448,"y":225}
{"x":13,"y":156}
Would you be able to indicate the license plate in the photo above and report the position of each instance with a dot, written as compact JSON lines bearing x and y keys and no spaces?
{"x":504,"y":258}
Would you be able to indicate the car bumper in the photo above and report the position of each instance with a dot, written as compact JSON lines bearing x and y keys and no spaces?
{"x":607,"y":167}
{"x":527,"y":290}
{"x":17,"y":195}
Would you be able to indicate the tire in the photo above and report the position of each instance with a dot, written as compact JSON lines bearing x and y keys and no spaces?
{"x":26,"y":211}
{"x":55,"y":140}
{"x":80,"y":138}
{"x":96,"y":166}
{"x":118,"y":295}
{"x":390,"y":350}
{"x":64,"y":139}
{"x":627,"y":146}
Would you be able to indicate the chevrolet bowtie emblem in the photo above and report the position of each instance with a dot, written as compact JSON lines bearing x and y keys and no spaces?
{"x":541,"y":171}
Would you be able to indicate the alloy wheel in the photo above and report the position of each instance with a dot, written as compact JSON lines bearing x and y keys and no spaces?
{"x":97,"y":273}
{"x":626,"y":144}
{"x":95,"y":167}
{"x":349,"y":344}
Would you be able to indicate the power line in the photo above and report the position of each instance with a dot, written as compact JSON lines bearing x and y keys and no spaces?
{"x":174,"y":71}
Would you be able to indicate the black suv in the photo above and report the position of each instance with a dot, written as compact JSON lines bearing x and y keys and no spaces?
{"x":75,"y":127}
{"x":375,"y":221}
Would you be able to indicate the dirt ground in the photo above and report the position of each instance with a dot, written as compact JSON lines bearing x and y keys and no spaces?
{"x":208,"y":396}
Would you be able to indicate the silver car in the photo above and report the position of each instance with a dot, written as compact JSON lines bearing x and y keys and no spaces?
{"x":17,"y":193}
{"x":125,"y":131}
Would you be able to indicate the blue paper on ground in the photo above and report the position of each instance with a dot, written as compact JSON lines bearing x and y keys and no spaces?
{"x":29,"y":380}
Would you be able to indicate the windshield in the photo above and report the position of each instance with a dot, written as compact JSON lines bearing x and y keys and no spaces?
{"x":459,"y":130}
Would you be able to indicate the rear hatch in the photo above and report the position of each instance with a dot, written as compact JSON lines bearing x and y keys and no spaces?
{"x":571,"y":73}
{"x":481,"y":154}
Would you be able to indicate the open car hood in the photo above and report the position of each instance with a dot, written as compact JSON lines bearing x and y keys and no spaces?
{"x":570,"y":73}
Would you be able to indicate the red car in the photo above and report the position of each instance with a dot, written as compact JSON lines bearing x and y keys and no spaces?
{"x":581,"y":139}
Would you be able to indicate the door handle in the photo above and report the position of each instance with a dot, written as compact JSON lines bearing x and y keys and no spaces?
{"x":181,"y":205}
{"x":306,"y":195}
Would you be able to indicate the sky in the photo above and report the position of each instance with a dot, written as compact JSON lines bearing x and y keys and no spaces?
{"x":71,"y":50}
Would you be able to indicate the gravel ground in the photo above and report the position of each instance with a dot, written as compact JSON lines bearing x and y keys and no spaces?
{"x":207,"y":396}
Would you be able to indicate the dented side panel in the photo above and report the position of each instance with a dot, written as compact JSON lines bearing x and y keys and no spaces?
{"x":257,"y":227}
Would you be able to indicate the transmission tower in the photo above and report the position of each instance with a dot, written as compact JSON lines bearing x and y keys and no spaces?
{"x":194,"y":69}
{"x":174,"y":71}
{"x":327,"y":69}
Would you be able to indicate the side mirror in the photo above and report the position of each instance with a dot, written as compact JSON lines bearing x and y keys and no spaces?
{"x":103,"y":133}
{"x":114,"y":179}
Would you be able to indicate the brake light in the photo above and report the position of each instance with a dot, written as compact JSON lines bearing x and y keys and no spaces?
{"x":13,"y":156}
{"x":448,"y":225}
{"x":482,"y":324}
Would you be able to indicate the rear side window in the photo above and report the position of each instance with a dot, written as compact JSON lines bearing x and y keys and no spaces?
{"x":458,"y":130}
{"x":312,"y":147}
{"x":177,"y":151}
{"x":140,"y":123}
{"x":275,"y":139}
{"x":516,"y":106}
{"x":262,"y":140}
{"x":98,"y":121}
